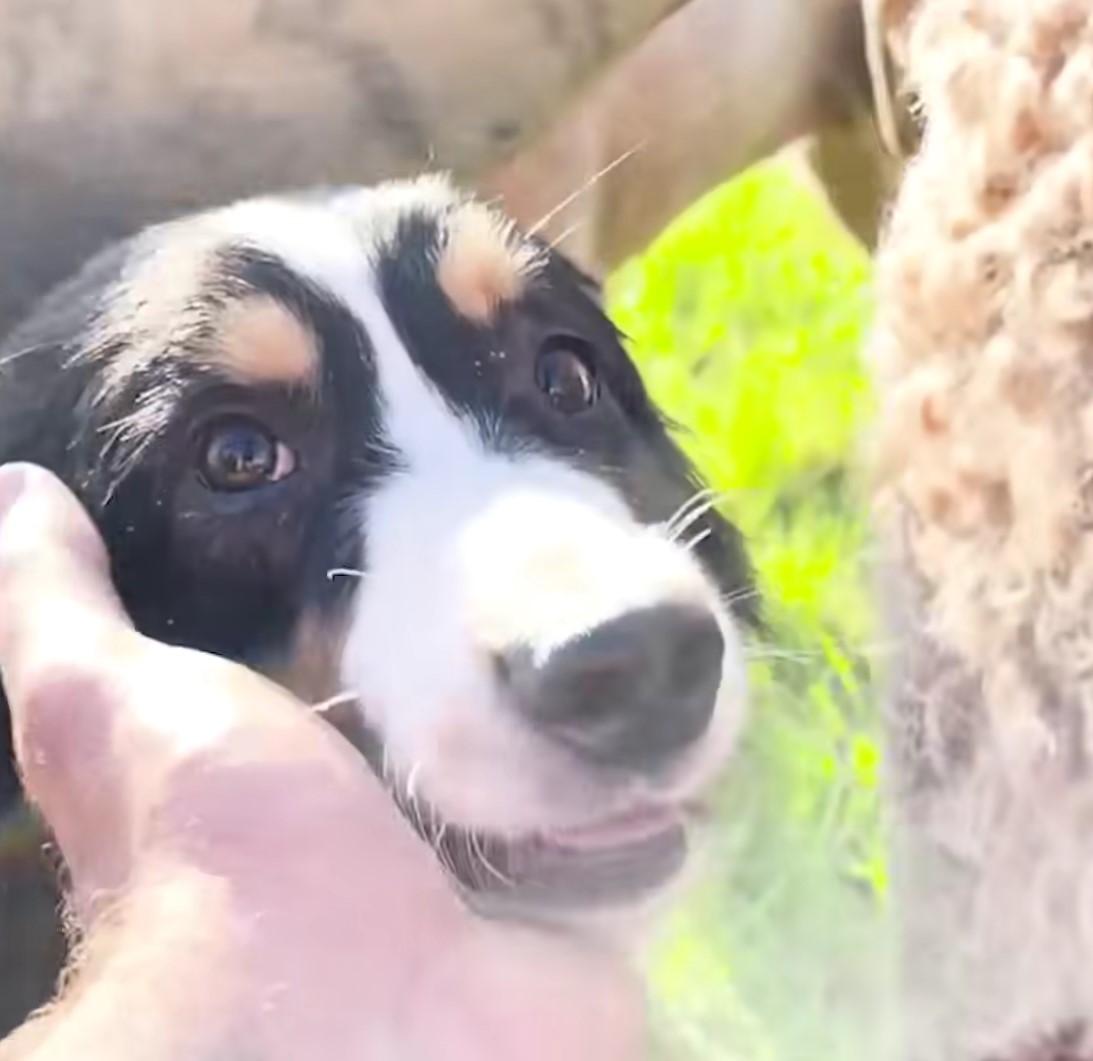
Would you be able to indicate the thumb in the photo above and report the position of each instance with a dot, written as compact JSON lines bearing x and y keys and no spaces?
{"x":56,"y":598}
{"x":59,"y":618}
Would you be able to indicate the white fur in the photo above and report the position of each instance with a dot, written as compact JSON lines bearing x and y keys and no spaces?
{"x":468,"y":550}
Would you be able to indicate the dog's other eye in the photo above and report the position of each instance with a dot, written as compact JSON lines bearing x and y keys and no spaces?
{"x":238,"y":453}
{"x":564,"y":374}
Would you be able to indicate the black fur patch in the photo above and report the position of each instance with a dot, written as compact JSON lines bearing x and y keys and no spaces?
{"x":487,"y":374}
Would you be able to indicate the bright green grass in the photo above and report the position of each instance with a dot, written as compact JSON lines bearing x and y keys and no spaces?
{"x":748,"y":318}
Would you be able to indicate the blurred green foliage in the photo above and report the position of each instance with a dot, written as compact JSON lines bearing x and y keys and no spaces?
{"x":748,"y":319}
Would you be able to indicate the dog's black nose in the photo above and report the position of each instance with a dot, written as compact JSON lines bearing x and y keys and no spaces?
{"x":630,"y":693}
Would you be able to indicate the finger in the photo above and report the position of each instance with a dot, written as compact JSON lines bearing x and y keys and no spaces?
{"x":59,"y":621}
{"x":56,"y":599}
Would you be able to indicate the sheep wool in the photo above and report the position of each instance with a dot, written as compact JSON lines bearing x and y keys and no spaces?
{"x":983,"y":462}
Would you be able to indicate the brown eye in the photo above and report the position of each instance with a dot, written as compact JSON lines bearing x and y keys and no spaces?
{"x":564,"y":374}
{"x":240,"y":454}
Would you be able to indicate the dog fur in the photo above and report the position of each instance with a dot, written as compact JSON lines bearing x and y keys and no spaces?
{"x":460,"y":482}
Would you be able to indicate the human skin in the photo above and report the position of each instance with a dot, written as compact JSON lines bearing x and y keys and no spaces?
{"x":246,"y":887}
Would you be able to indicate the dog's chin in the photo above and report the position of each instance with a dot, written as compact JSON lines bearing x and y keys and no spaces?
{"x":605,"y":867}
{"x":610,"y":866}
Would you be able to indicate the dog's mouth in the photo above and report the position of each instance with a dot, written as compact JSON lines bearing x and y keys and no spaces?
{"x":615,"y":861}
{"x":605,"y":864}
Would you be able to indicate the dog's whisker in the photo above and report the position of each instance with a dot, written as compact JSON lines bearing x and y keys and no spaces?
{"x":338,"y":700}
{"x":565,"y":234}
{"x":444,"y":856}
{"x":419,"y":817}
{"x":504,"y":878}
{"x":344,"y":572}
{"x":740,"y":596}
{"x":15,"y":355}
{"x":494,"y":872}
{"x":783,"y":656}
{"x":412,"y":779}
{"x":447,"y":864}
{"x":695,"y":499}
{"x":479,"y":855}
{"x":697,"y":540}
{"x":682,"y":522}
{"x":406,"y":799}
{"x":691,"y":519}
{"x":592,"y":181}
{"x":868,"y":650}
{"x":385,"y":769}
{"x":691,"y":511}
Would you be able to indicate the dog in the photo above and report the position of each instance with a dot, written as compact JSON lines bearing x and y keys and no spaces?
{"x":384,"y":447}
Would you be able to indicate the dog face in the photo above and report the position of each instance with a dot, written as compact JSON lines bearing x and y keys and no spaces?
{"x":380,"y":446}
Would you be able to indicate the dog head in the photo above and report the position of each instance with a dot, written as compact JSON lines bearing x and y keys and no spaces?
{"x":379,"y":445}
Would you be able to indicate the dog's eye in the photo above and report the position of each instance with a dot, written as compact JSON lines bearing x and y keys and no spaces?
{"x":238,"y":453}
{"x":564,"y":374}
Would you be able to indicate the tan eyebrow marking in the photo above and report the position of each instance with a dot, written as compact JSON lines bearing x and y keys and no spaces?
{"x":261,"y":341}
{"x":483,"y":263}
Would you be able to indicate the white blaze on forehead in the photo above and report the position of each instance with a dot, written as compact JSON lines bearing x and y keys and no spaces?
{"x":330,"y":245}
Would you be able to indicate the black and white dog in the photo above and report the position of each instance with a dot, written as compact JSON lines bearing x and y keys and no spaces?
{"x":384,"y":448}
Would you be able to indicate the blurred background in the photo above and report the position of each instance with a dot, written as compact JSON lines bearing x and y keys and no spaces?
{"x":747,"y":318}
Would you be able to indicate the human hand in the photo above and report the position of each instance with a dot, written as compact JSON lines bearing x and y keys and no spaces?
{"x":246,"y":886}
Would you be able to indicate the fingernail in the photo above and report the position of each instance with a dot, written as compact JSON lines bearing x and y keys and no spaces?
{"x":13,"y":480}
